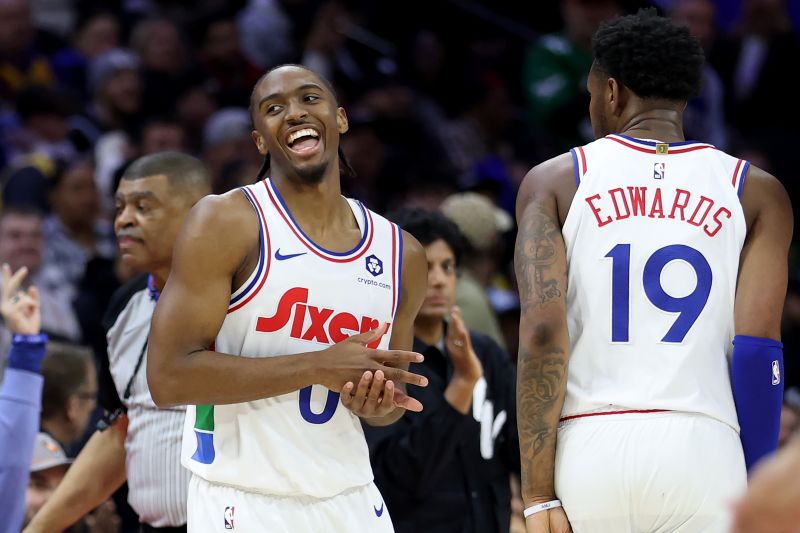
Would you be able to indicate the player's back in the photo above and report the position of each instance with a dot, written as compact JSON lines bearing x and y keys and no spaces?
{"x":653,"y":239}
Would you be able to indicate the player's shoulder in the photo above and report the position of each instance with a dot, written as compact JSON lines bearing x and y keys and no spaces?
{"x":221,"y":214}
{"x":764,"y":193}
{"x":554,"y":177}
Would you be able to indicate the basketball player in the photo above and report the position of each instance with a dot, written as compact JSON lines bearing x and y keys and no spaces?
{"x":628,"y":255}
{"x":283,"y":295}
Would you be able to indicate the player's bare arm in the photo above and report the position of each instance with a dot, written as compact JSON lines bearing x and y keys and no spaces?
{"x":763,"y":272}
{"x":214,"y":255}
{"x":378,"y":400}
{"x":541,"y":268}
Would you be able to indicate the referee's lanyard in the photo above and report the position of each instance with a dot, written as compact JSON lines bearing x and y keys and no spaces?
{"x":154,"y":294}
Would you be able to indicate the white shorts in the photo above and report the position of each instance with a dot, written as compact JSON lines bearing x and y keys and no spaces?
{"x":218,"y":508}
{"x":648,"y":473}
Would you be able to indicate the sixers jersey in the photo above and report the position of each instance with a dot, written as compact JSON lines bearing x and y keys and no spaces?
{"x":300,"y":298}
{"x":653,"y":238}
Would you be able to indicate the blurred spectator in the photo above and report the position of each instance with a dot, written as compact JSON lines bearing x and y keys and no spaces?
{"x":43,"y":114}
{"x":449,"y":467}
{"x":226,"y":142}
{"x":165,"y":61}
{"x":97,"y":34}
{"x":161,"y":135}
{"x":70,"y":392}
{"x":115,"y":83}
{"x":482,"y":223}
{"x":22,"y":246}
{"x":270,"y":32}
{"x":23,"y":51}
{"x":554,"y":77}
{"x":704,"y":117}
{"x":20,"y":395}
{"x":222,"y":62}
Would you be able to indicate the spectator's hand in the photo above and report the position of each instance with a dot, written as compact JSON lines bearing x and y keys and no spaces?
{"x":772,"y":502}
{"x":375,"y":396}
{"x":20,"y":309}
{"x":550,"y":521}
{"x":466,"y":365}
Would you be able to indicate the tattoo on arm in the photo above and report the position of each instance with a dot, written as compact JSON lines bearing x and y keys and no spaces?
{"x":540,"y":265}
{"x":535,"y":258}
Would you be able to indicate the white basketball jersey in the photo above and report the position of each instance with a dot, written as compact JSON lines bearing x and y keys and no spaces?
{"x":300,"y":298}
{"x":653,"y":238}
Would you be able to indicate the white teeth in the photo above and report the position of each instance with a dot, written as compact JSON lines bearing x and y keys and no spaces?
{"x":307,"y":132}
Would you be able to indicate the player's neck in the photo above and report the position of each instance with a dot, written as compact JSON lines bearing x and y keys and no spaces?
{"x":659,"y":124}
{"x":316,"y":207}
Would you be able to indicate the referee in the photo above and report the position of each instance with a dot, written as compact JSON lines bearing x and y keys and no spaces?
{"x":136,"y":441}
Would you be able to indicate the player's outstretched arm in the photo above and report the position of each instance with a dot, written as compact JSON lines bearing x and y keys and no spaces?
{"x":218,"y":237}
{"x":541,"y":267}
{"x":380,"y":401}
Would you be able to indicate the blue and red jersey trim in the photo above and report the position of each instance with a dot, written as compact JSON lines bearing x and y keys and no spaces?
{"x":244,"y":295}
{"x":337,"y":257}
{"x":739,"y":175}
{"x":579,"y":160}
{"x":397,"y":267}
{"x":649,"y":147}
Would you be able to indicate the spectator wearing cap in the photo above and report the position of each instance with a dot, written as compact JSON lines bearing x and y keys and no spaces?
{"x":47,"y":469}
{"x":481,"y":223}
{"x":115,"y":83}
{"x":449,"y":468}
{"x":20,"y":395}
{"x":228,"y":151}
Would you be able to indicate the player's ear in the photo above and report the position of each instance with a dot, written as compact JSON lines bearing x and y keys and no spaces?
{"x":260,"y":144}
{"x":341,"y":120}
{"x":615,"y":96}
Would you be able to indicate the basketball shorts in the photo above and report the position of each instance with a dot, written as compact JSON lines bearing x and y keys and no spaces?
{"x":222,"y":509}
{"x":648,"y":473}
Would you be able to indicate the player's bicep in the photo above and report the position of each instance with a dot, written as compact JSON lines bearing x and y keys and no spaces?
{"x":195,"y":300}
{"x":763,"y":268}
{"x":540,"y":259}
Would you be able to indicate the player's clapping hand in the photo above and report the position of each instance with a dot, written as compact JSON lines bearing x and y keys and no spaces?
{"x":20,"y":309}
{"x":367,"y":378}
{"x":550,"y":521}
{"x":375,"y":396}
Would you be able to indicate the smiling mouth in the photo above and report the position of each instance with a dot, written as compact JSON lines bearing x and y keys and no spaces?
{"x":304,"y":141}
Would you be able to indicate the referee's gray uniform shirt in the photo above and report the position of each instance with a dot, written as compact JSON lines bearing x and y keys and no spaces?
{"x":157,"y":483}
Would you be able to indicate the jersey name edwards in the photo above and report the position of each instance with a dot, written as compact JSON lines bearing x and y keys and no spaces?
{"x":326,"y":326}
{"x":654,"y":202}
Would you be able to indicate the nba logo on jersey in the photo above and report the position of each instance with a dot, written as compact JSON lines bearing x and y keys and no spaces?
{"x":658,"y":171}
{"x":776,"y":373}
{"x":229,"y":517}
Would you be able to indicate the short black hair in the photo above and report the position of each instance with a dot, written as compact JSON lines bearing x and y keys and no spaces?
{"x":428,"y":226}
{"x":182,"y":171}
{"x":651,"y":55}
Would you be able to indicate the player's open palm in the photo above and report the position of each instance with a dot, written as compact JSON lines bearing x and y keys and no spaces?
{"x":348,"y":361}
{"x":20,"y":309}
{"x":466,"y":364}
{"x":550,"y":521}
{"x":375,"y":396}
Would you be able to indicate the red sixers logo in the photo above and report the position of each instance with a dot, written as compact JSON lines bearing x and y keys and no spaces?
{"x":327,"y":326}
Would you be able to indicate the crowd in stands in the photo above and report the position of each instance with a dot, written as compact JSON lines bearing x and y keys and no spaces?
{"x":450,"y":104}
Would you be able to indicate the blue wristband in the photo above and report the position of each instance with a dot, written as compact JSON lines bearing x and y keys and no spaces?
{"x":27,"y":352}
